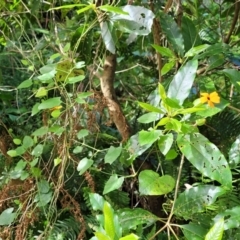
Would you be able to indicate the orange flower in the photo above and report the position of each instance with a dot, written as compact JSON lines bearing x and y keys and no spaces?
{"x":210,"y":98}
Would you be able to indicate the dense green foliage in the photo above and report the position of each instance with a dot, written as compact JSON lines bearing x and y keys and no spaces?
{"x":119,"y":120}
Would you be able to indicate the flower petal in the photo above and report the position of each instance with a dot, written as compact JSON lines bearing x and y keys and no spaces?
{"x":204,"y":98}
{"x":214,"y":97}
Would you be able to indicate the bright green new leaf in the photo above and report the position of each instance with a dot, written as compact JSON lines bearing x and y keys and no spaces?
{"x":149,"y":137}
{"x":206,"y":157}
{"x":162,"y":91}
{"x":216,"y":232}
{"x":172,"y":154}
{"x":167,"y":67}
{"x":84,"y":165}
{"x":56,"y":113}
{"x":150,"y":183}
{"x":189,"y":110}
{"x":149,"y":117}
{"x":102,"y":236}
{"x":84,"y":9}
{"x":77,"y":149}
{"x":7,"y":217}
{"x":41,"y":92}
{"x":50,"y":103}
{"x":149,"y":107}
{"x":166,"y":52}
{"x":35,"y":109}
{"x":108,"y":220}
{"x":165,"y":143}
{"x":12,"y":153}
{"x":196,"y":50}
{"x":113,"y":183}
{"x":130,"y":237}
{"x":112,"y":154}
{"x":109,"y":8}
{"x":57,"y":161}
{"x":182,"y":82}
{"x":17,"y":141}
{"x":172,"y":103}
{"x":196,"y":199}
{"x":76,"y":79}
{"x":25,"y":84}
{"x":68,"y":6}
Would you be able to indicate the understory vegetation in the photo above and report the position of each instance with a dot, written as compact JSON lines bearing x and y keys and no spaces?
{"x":119,"y":120}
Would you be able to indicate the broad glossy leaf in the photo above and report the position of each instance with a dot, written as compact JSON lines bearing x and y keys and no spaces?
{"x":149,"y":137}
{"x":182,"y":82}
{"x":107,"y":37}
{"x":131,"y":218}
{"x":196,"y":50}
{"x":113,"y":183}
{"x":196,"y":199}
{"x":167,"y":67}
{"x":216,"y":232}
{"x":109,"y":8}
{"x":150,"y":183}
{"x":189,"y":32}
{"x":165,"y":143}
{"x":84,"y":165}
{"x":172,"y":33}
{"x":96,"y":201}
{"x":112,"y":154}
{"x":214,"y":49}
{"x":7,"y":217}
{"x":234,"y":153}
{"x":149,"y":117}
{"x":50,"y":103}
{"x":206,"y":157}
{"x":232,"y":217}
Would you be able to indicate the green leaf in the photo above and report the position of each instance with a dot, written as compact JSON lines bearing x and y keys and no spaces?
{"x":84,"y":9}
{"x":149,"y":137}
{"x":20,"y":165}
{"x":20,"y":150}
{"x":76,"y":79}
{"x":107,"y":36}
{"x":234,"y":76}
{"x":113,"y":183}
{"x":149,"y":107}
{"x":216,"y":232}
{"x":40,"y":132}
{"x":165,"y":143}
{"x":43,"y":199}
{"x":196,"y":199}
{"x":196,"y":50}
{"x":172,"y":154}
{"x":182,"y":82}
{"x":50,"y":103}
{"x":167,"y":67}
{"x":149,"y":117}
{"x":193,"y":231}
{"x":25,"y":84}
{"x":189,"y":110}
{"x":189,"y":32}
{"x":172,"y":33}
{"x":7,"y":217}
{"x":206,"y":157}
{"x":166,"y":52}
{"x":27,"y":142}
{"x":17,"y":141}
{"x":215,"y":61}
{"x":82,"y":133}
{"x":12,"y":153}
{"x":234,"y":153}
{"x":96,"y":201}
{"x":150,"y":183}
{"x":112,"y":154}
{"x":37,"y":151}
{"x":109,"y":8}
{"x":102,"y":236}
{"x":172,"y":103}
{"x":41,"y":92}
{"x":57,"y":161}
{"x":108,"y":220}
{"x":214,"y":49}
{"x":130,"y":237}
{"x":43,"y":186}
{"x":131,"y":218}
{"x":84,"y":165}
{"x":77,"y":149}
{"x":35,"y":109}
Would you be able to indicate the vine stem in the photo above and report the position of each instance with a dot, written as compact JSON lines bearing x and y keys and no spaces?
{"x":168,"y":224}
